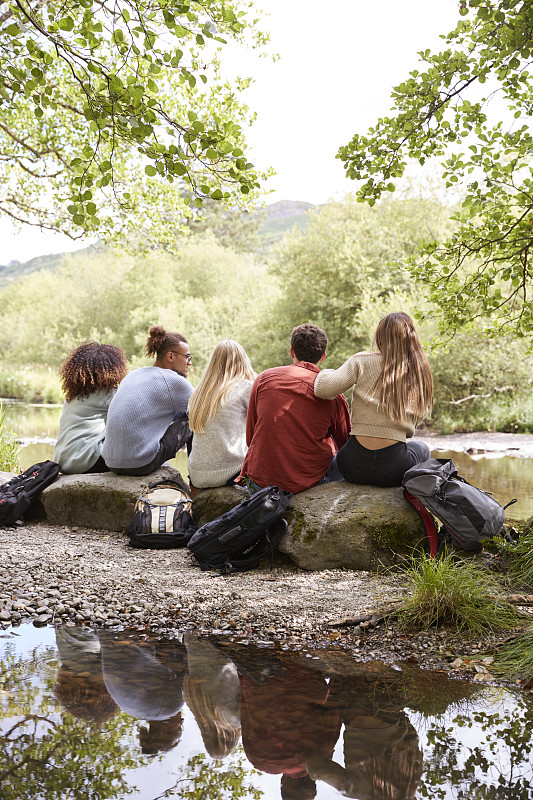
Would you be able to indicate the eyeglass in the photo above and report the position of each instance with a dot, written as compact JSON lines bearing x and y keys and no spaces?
{"x":187,"y":357}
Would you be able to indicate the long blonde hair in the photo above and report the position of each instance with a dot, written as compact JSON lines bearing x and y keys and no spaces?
{"x":406,"y":379}
{"x":228,"y":365}
{"x":218,"y":735}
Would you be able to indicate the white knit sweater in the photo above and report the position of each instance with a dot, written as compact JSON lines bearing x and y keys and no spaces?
{"x":218,"y":453}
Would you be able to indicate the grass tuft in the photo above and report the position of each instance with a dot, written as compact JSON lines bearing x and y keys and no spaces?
{"x":521,"y":565}
{"x":459,"y":594}
{"x":9,"y":446}
{"x":515,"y":660}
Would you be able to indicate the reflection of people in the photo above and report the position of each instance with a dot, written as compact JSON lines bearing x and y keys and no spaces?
{"x":382,"y":758}
{"x":145,"y":680}
{"x":80,"y":687}
{"x":212,"y":692}
{"x":292,"y":436}
{"x":217,"y":417}
{"x":286,"y":721}
{"x":142,"y":430}
{"x":392,"y":392}
{"x":89,"y":378}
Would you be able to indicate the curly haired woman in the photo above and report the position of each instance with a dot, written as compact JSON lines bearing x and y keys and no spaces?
{"x":89,"y":377}
{"x":143,"y":426}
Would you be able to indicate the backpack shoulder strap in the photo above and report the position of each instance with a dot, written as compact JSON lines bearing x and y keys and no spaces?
{"x":432,"y":540}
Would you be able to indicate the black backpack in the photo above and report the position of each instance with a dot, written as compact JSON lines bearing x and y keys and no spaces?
{"x":19,"y":493}
{"x":467,"y":513}
{"x":162,"y":517}
{"x":239,"y":539}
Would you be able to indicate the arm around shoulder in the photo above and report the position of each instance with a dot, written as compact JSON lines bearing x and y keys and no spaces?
{"x":332,"y":382}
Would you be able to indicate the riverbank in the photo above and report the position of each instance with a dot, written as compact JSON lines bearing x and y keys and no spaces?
{"x":56,"y":575}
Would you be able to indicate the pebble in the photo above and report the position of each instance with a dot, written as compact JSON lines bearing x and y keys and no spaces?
{"x":55,"y":575}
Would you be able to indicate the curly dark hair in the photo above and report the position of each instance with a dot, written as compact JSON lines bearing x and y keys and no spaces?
{"x":160,"y":341}
{"x":92,"y":367}
{"x":309,"y":342}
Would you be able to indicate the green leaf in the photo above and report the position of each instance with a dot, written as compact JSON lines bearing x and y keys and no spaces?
{"x":66,"y":24}
{"x":150,"y":170}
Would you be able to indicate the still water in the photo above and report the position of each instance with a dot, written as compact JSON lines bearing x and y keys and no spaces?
{"x":36,"y":426}
{"x":505,"y":477}
{"x":104,"y":714}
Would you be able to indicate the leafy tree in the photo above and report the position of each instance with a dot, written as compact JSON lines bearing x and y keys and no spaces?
{"x":343,"y":273}
{"x":443,"y":109}
{"x":113,"y":115}
{"x":206,"y":291}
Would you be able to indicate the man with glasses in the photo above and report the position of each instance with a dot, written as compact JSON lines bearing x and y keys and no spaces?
{"x":147,"y":420}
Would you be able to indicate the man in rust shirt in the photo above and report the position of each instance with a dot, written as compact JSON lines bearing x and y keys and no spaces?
{"x":292,"y":435}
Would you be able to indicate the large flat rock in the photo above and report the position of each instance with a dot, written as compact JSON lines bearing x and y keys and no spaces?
{"x":337,"y":525}
{"x":104,"y":501}
{"x":331,"y":526}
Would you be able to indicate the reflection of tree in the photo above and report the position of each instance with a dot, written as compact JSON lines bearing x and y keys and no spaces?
{"x":214,"y":780}
{"x":44,"y":753}
{"x":497,"y":768}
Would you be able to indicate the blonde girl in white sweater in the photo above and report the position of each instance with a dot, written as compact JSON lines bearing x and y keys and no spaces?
{"x":217,"y":417}
{"x":392,"y":392}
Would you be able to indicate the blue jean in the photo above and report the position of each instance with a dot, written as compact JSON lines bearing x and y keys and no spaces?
{"x":386,"y":467}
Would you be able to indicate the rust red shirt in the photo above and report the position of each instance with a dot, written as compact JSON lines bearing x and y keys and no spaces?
{"x":292,"y":435}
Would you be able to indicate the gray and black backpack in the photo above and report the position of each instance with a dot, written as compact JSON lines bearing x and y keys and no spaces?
{"x":467,"y":514}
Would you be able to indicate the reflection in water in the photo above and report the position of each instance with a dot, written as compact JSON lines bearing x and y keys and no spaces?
{"x":145,"y":679}
{"x":101,"y":715}
{"x":213,"y":693}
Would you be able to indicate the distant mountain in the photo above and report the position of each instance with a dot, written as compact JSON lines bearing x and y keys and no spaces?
{"x":276,"y":220}
{"x":18,"y":269}
{"x":280,"y":217}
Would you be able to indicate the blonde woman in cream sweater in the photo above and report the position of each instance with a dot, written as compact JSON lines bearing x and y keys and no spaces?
{"x":217,"y":417}
{"x":392,"y":393}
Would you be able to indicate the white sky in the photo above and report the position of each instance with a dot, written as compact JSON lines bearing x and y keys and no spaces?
{"x":338,"y":63}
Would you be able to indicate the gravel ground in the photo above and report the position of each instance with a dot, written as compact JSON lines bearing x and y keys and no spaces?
{"x":53,"y":575}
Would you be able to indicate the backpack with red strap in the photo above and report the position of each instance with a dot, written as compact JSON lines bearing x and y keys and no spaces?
{"x":467,"y":513}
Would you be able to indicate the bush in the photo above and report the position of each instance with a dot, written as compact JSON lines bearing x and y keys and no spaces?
{"x":447,"y":591}
{"x":36,"y":383}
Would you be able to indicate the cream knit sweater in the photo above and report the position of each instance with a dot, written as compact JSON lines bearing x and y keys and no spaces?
{"x":217,"y":454}
{"x":361,"y":371}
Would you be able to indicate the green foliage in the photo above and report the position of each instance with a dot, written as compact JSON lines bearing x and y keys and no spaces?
{"x":205,"y":291}
{"x":33,"y":383}
{"x":483,"y":269}
{"x":214,"y":780}
{"x":446,"y":591}
{"x":483,"y":753}
{"x":110,"y":109}
{"x":49,"y":753}
{"x":482,"y":384}
{"x":9,"y":447}
{"x":345,"y":271}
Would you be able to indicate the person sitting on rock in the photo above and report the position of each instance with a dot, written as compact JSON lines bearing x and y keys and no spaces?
{"x":144,"y":423}
{"x":292,"y":435}
{"x":217,"y":417}
{"x":392,"y":392}
{"x":89,"y":377}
